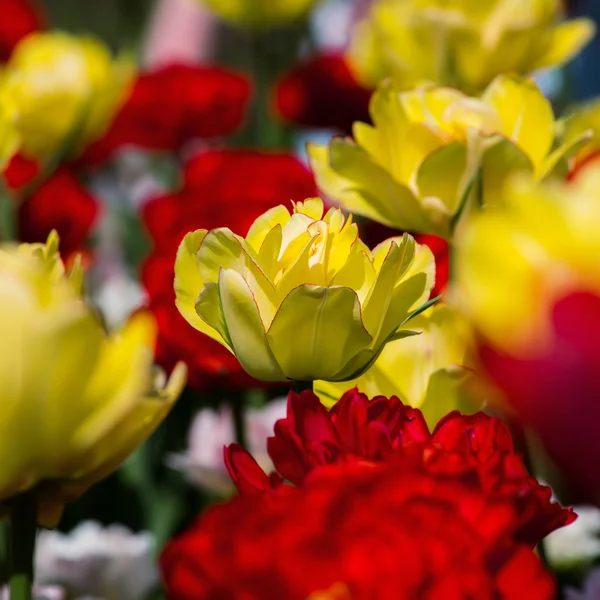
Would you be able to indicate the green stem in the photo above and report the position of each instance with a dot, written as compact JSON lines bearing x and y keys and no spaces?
{"x":302,"y":386}
{"x":23,"y":530}
{"x":4,"y":551}
{"x":238,"y":409}
{"x":8,"y":225}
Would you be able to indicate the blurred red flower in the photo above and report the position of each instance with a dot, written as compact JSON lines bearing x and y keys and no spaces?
{"x":389,"y":531}
{"x":221,"y":188}
{"x":557,"y":393}
{"x":60,"y":202}
{"x":173,"y":105}
{"x":322,"y":92}
{"x":360,"y":430}
{"x":18,"y":19}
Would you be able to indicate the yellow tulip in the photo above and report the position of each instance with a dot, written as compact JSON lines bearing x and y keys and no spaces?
{"x":414,"y":168}
{"x":75,"y":402}
{"x":516,"y":260}
{"x":430,"y":371}
{"x":259,"y":14}
{"x":64,"y":87}
{"x":301,"y":297}
{"x":462,"y":43}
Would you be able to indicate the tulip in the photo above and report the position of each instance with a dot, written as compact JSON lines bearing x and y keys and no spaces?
{"x":527,"y":278}
{"x":76,"y":401}
{"x":67,"y":90}
{"x":430,"y":371}
{"x":301,"y":297}
{"x":463,"y":43}
{"x":415,"y":168}
{"x":258,"y":14}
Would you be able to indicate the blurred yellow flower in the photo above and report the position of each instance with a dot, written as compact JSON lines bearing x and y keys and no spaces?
{"x":301,"y":297}
{"x":430,"y":371}
{"x":9,"y":134}
{"x":516,"y":260}
{"x":585,"y":119}
{"x":75,"y":402}
{"x":260,"y":14}
{"x":64,"y":87}
{"x":50,"y":260}
{"x":414,"y":169}
{"x":462,"y":43}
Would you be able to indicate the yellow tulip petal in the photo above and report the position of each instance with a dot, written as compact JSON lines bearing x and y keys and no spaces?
{"x":222,"y":249}
{"x":278,"y":215}
{"x":317,"y":331}
{"x":394,"y":203}
{"x":566,"y":40}
{"x":127,"y":356}
{"x":247,"y":331}
{"x":526,"y":115}
{"x":499,"y":162}
{"x":208,"y":307}
{"x":188,"y":281}
{"x":556,"y":163}
{"x":358,"y":272}
{"x":335,"y":186}
{"x":452,"y":161}
{"x":131,"y":431}
{"x":377,"y":302}
{"x":446,"y":392}
{"x":311,"y":207}
{"x":405,"y":298}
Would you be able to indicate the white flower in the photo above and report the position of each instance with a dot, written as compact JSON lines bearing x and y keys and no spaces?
{"x":212,"y":430}
{"x":590,"y":591}
{"x":577,"y":542}
{"x":104,"y":562}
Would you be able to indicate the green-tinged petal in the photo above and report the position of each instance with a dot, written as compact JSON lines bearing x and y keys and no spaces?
{"x":405,"y":242}
{"x":246,"y":329}
{"x":317,"y":331}
{"x":335,"y":186}
{"x":566,"y":40}
{"x":188,"y":281}
{"x":278,"y":215}
{"x":443,"y":175}
{"x":423,"y":261}
{"x":502,"y":159}
{"x":526,"y":115}
{"x":378,"y":300}
{"x":208,"y":307}
{"x":557,"y":162}
{"x":405,"y":297}
{"x":394,"y":202}
{"x":446,"y":392}
{"x":222,"y":249}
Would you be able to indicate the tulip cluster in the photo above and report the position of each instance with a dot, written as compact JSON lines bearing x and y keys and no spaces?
{"x":426,"y":284}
